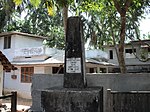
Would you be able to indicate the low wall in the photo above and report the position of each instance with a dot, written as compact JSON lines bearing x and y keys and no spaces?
{"x":20,"y":93}
{"x":128,"y":101}
{"x":115,"y":82}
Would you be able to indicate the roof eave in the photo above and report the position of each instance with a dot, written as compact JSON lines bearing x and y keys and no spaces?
{"x":20,"y":33}
{"x":5,"y":62}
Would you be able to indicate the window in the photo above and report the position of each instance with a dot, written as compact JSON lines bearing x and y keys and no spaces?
{"x":103,"y":70}
{"x":58,"y":70}
{"x":130,"y":51}
{"x":7,"y":42}
{"x":26,"y":74}
{"x":91,"y":70}
{"x":8,"y":70}
{"x":111,"y":54}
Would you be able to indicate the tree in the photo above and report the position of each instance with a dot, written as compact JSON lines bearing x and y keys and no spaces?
{"x":6,"y":9}
{"x":38,"y":21}
{"x":122,"y":9}
{"x":117,"y":19}
{"x":52,"y":6}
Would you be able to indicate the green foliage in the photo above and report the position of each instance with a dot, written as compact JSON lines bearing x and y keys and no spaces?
{"x":90,"y":6}
{"x":103,"y":19}
{"x":38,"y":22}
{"x":62,"y":3}
{"x":50,"y":7}
{"x":146,"y":36}
{"x":100,"y":17}
{"x":6,"y":9}
{"x":17,"y":2}
{"x":48,"y":3}
{"x":56,"y":38}
{"x":35,"y":3}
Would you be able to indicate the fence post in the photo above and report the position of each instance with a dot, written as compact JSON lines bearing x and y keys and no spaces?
{"x":108,"y":101}
{"x":14,"y":102}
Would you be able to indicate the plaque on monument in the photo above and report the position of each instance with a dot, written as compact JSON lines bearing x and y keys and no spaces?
{"x":73,"y":65}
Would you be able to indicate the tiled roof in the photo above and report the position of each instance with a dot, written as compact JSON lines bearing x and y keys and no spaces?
{"x":5,"y":62}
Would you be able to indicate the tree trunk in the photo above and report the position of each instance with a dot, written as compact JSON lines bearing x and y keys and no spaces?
{"x":122,"y":11}
{"x":121,"y":44}
{"x":65,"y":16}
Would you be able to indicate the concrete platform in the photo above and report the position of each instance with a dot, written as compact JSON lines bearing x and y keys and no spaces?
{"x":72,"y":99}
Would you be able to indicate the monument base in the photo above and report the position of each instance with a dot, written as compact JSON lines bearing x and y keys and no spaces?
{"x":72,"y":99}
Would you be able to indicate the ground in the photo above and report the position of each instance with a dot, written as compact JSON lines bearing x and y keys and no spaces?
{"x":22,"y":104}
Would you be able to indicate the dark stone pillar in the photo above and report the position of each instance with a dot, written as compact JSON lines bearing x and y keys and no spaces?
{"x":74,"y":76}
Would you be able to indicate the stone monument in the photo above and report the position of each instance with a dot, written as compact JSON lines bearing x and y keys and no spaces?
{"x":74,"y":75}
{"x":75,"y":96}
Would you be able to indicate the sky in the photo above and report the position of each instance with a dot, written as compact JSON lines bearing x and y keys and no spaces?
{"x":145,"y":25}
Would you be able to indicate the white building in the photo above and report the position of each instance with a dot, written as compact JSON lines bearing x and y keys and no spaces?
{"x":134,"y":49}
{"x":27,"y":53}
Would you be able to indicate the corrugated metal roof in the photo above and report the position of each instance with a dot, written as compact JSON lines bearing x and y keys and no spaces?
{"x":99,"y":62}
{"x":58,"y":58}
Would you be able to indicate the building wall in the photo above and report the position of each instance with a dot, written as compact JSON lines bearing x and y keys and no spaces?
{"x":23,"y":89}
{"x":39,"y":70}
{"x":114,"y":60}
{"x":9,"y":53}
{"x":30,"y":58}
{"x":130,"y":59}
{"x":25,"y":41}
{"x":48,"y":70}
{"x":132,"y":63}
{"x":115,"y":82}
{"x":1,"y":79}
{"x":18,"y":42}
{"x":1,"y":41}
